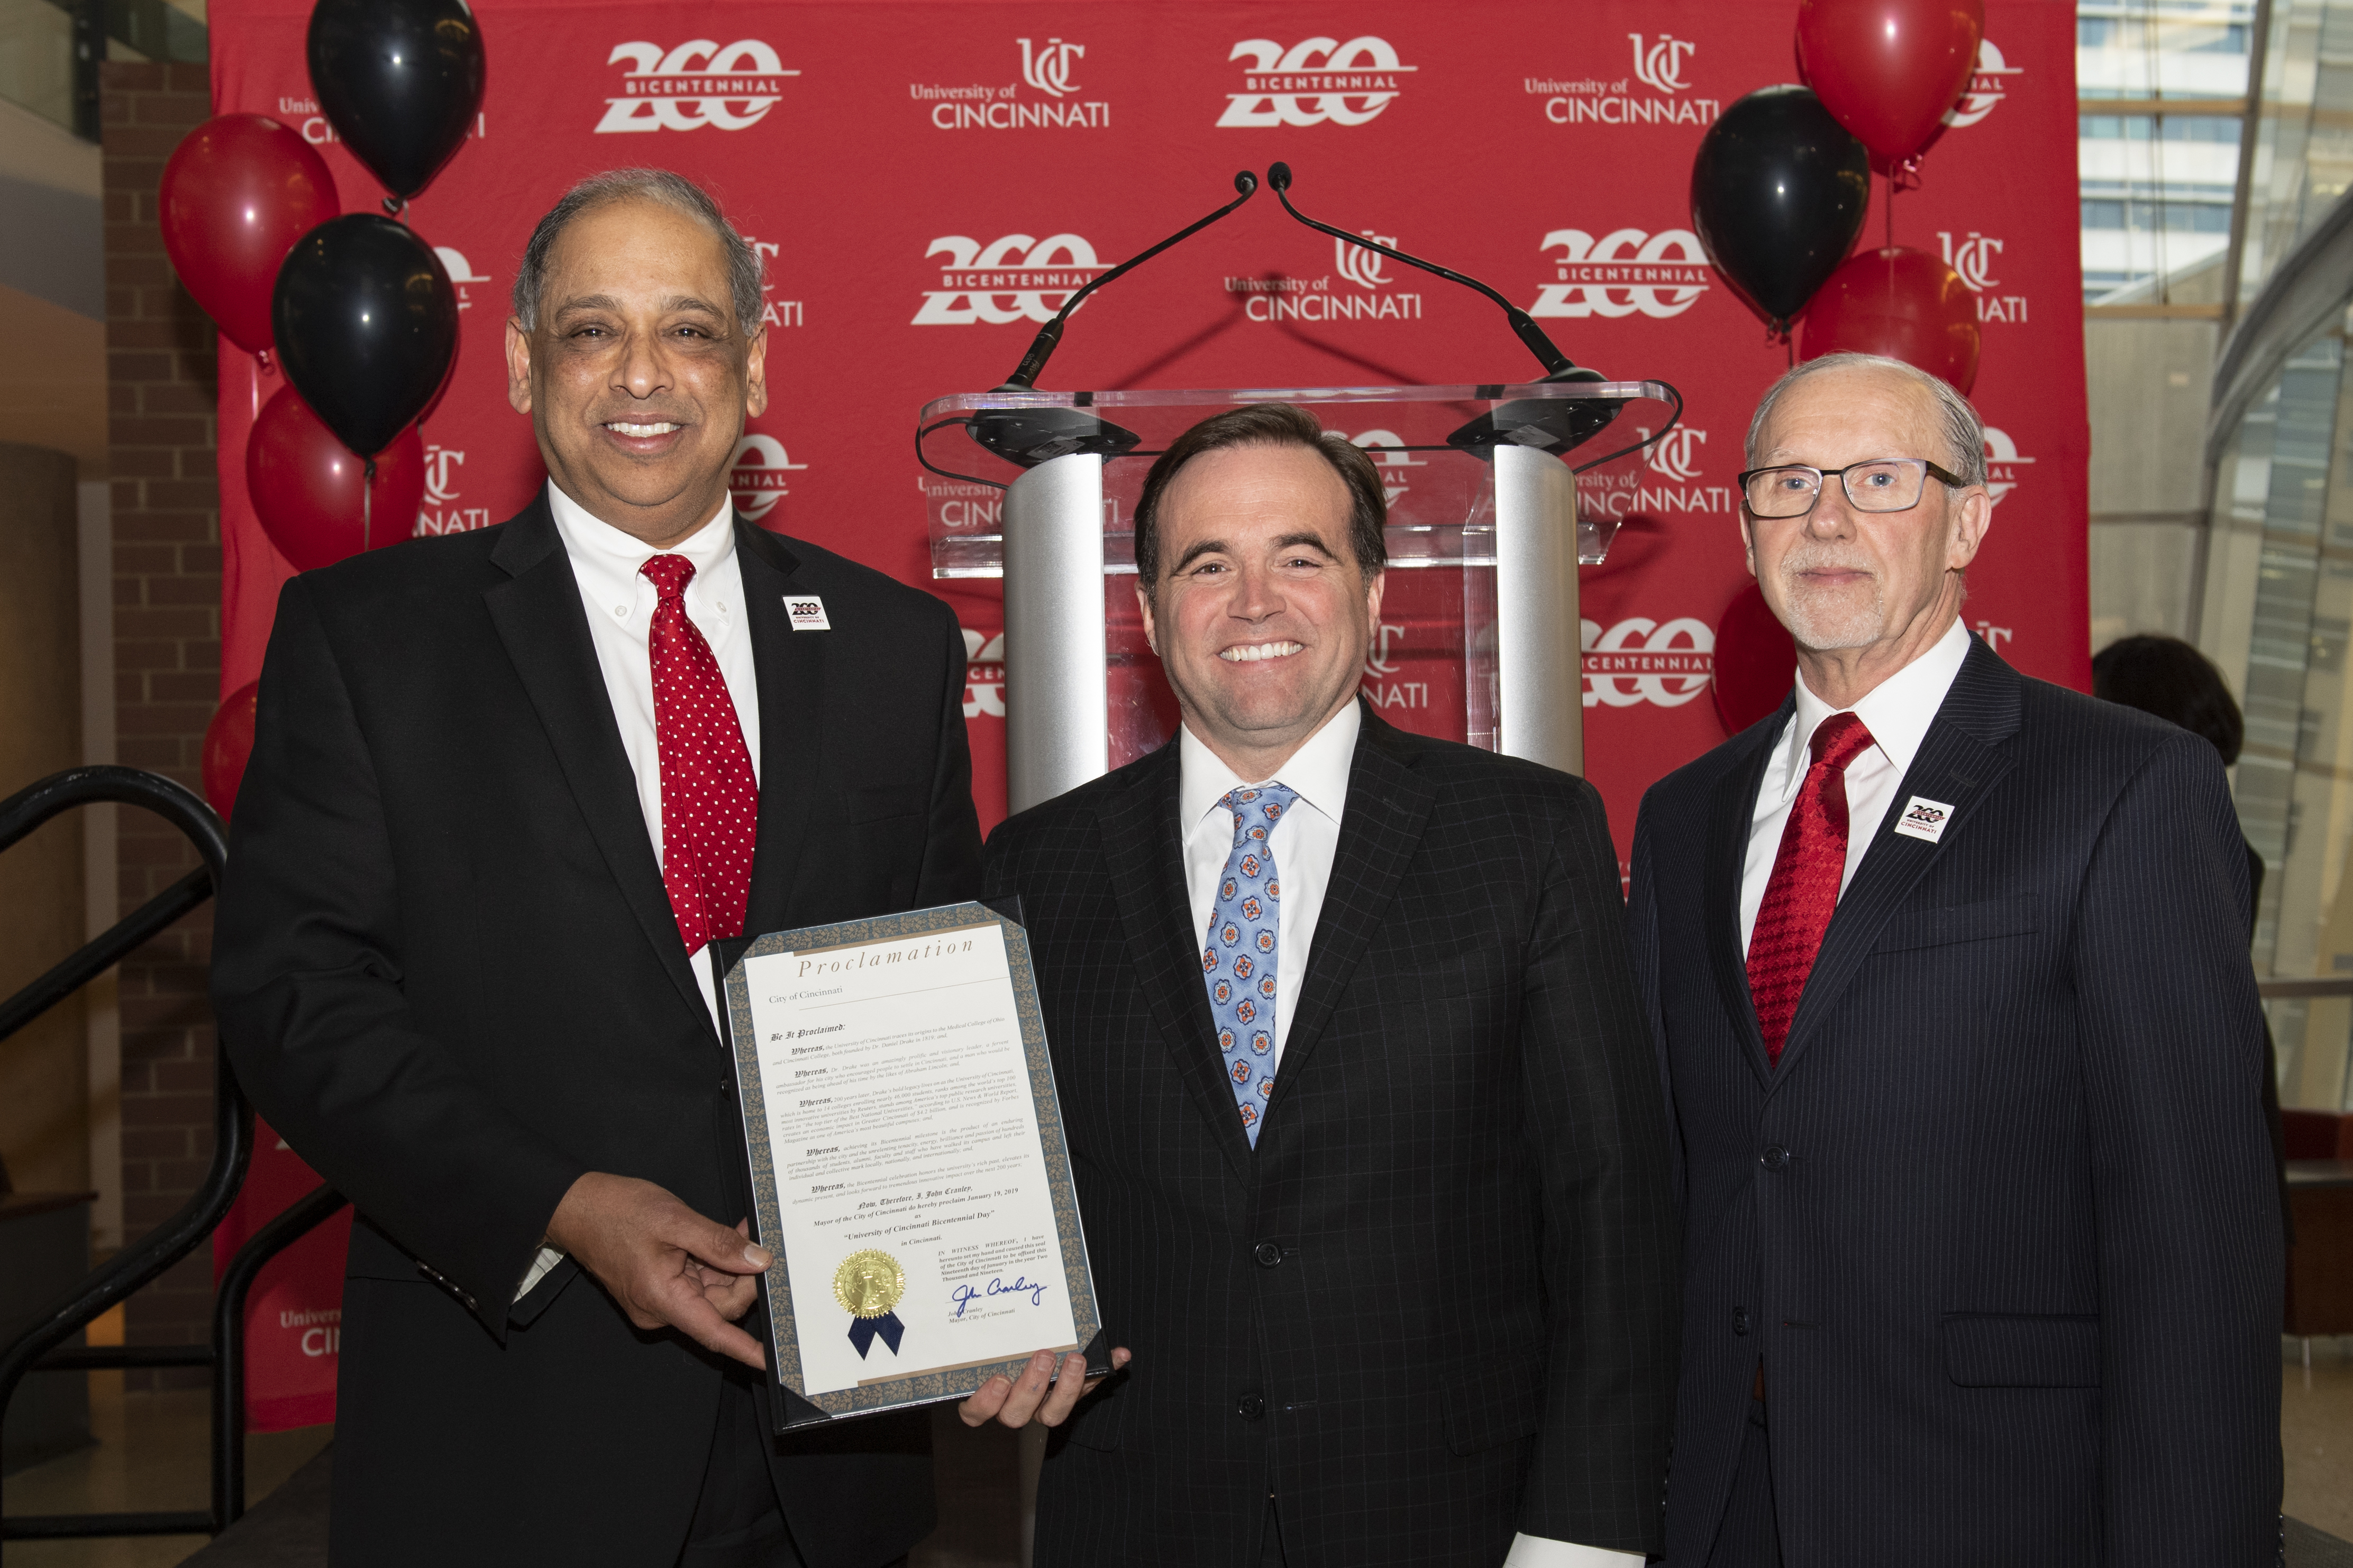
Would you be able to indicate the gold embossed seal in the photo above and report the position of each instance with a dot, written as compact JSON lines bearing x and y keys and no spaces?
{"x":868,"y":1283}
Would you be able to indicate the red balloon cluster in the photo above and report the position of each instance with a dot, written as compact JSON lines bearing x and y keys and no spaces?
{"x":1900,"y":302}
{"x":239,"y":190}
{"x":1755,"y":656}
{"x":1889,"y":69}
{"x":315,"y":499}
{"x":229,"y":744}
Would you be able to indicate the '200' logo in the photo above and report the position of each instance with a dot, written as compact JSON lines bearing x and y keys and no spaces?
{"x":693,"y":86}
{"x":1641,"y":661}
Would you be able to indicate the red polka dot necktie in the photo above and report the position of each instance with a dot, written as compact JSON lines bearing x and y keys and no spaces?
{"x":710,"y":801}
{"x":1803,"y":891}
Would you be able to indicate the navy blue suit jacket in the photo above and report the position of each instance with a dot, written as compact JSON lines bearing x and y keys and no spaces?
{"x":2002,"y":1225}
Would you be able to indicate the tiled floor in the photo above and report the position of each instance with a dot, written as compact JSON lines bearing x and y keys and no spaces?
{"x":152,"y":1454}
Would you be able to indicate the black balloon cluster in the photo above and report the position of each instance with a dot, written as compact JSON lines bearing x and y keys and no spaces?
{"x":1779,"y":193}
{"x":363,"y":313}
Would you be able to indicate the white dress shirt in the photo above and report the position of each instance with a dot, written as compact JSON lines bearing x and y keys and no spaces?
{"x":1303,"y":845}
{"x":620,"y":604}
{"x":1897,"y":712}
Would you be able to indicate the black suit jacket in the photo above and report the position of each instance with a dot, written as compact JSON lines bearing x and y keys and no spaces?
{"x":2001,"y":1225}
{"x":1436,"y":1303}
{"x":447,"y":970}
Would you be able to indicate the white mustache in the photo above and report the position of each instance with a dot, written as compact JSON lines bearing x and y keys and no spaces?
{"x":1803,"y":558}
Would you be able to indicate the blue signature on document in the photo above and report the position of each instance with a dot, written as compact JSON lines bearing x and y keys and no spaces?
{"x":965,"y":1295}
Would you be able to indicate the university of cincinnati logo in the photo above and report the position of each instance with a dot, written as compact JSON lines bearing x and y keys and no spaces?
{"x":1048,"y":68}
{"x":1016,"y":277}
{"x":1658,"y":65}
{"x":1365,"y":268}
{"x":1973,"y":259}
{"x":1667,"y":483}
{"x":1313,"y":82}
{"x":1985,"y":89}
{"x":1383,"y":666}
{"x":437,"y":510}
{"x":2002,"y":463}
{"x":1623,"y":272}
{"x":699,"y":83}
{"x":461,"y":272}
{"x":1641,"y":660}
{"x":756,"y":476}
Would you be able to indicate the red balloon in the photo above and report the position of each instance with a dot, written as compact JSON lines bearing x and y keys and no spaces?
{"x":229,"y":744}
{"x":1904,"y":303}
{"x":312,"y":494}
{"x":1756,"y":659}
{"x":239,"y":191}
{"x":1889,"y":68}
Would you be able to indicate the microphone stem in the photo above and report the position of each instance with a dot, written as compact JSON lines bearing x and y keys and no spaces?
{"x":1539,"y":343}
{"x":1041,"y":347}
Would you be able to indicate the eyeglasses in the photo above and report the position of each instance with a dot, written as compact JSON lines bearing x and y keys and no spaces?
{"x":1882,"y":484}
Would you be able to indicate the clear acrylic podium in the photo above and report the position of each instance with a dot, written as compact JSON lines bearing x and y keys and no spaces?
{"x":1478,"y":633}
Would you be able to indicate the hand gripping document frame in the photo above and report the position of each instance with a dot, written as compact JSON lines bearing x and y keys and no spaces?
{"x":906,"y":1161}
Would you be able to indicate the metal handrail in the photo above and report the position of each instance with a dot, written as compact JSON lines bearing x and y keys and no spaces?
{"x":2339,"y":985}
{"x":41,"y":1347}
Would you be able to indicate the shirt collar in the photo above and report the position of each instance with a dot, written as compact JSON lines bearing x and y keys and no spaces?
{"x":606,"y":560}
{"x":1317,"y":772}
{"x":1897,"y":711}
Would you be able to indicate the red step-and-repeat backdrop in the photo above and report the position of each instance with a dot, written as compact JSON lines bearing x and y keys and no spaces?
{"x":927,"y":180}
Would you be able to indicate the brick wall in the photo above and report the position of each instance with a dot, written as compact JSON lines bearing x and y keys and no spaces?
{"x":161,"y":375}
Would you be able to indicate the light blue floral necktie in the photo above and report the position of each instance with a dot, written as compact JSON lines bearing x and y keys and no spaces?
{"x":1238,"y":959}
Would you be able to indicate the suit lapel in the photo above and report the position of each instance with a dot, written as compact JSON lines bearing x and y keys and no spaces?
{"x":1732,"y":811}
{"x":538,"y":615}
{"x":1959,"y":761}
{"x":791,"y":668}
{"x":1145,"y":860}
{"x":1380,"y":831}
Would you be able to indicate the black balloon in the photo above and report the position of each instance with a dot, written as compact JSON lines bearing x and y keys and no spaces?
{"x":366,"y":323}
{"x":401,"y":82}
{"x":1779,"y":193}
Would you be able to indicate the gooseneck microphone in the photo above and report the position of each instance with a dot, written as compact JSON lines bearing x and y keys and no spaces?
{"x":1553,"y":425}
{"x":1029,"y":436}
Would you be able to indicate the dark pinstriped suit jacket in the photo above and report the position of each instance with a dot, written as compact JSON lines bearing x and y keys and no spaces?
{"x":2002,"y":1224}
{"x":1435,"y":1305}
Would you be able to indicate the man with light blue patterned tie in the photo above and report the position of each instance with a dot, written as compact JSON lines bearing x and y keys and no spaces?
{"x":1362,"y":1109}
{"x":1242,"y":956}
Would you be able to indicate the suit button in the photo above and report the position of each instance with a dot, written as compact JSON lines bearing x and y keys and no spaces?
{"x":1775,"y":1157}
{"x":1250,"y":1407}
{"x":1740,"y":1320}
{"x":1267,"y":1254}
{"x":726,"y":1087}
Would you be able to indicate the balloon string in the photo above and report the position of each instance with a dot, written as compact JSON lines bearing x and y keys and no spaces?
{"x":1891,"y":210}
{"x":367,"y":503}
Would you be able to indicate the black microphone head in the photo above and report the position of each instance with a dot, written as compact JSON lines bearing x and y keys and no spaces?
{"x":1279,"y":176}
{"x":1246,"y":182}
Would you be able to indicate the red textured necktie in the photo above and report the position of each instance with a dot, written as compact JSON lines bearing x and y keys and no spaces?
{"x":1803,"y":891}
{"x":710,"y":801}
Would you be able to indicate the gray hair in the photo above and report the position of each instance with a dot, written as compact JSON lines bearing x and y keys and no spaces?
{"x":1964,"y":431}
{"x":673,"y":191}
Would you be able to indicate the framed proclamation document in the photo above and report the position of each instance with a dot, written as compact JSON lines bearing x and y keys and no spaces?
{"x":907,"y":1160}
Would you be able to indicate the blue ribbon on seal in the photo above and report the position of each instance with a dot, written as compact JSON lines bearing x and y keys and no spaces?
{"x":863,"y":1330}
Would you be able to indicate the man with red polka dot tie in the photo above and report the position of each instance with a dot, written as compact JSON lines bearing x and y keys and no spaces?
{"x":507,"y":790}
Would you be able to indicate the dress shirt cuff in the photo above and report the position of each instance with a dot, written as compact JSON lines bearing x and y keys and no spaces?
{"x":547,"y":1259}
{"x":1541,"y":1552}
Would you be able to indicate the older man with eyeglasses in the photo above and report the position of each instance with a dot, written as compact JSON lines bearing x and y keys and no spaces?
{"x":1948,"y":972}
